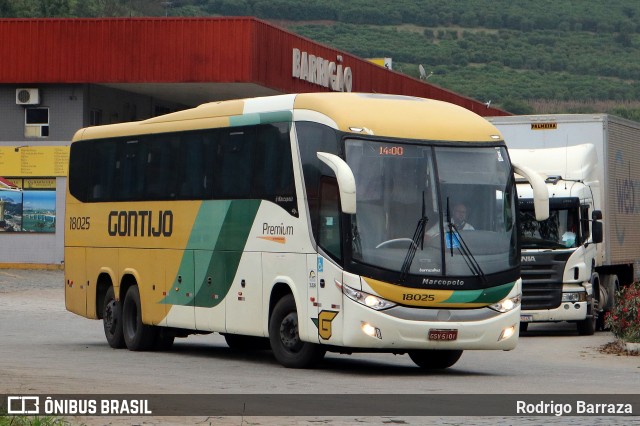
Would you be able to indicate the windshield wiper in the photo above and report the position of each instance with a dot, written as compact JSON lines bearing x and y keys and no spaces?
{"x":418,"y":237}
{"x":462,"y":247}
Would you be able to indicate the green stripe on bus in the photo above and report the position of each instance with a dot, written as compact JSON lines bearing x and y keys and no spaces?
{"x":260,"y":118}
{"x":213,"y":253}
{"x":487,"y":295}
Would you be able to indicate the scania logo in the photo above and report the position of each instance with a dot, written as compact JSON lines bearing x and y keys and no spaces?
{"x":528,"y":259}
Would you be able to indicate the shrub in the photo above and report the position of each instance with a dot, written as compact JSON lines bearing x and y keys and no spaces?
{"x":624,"y":318}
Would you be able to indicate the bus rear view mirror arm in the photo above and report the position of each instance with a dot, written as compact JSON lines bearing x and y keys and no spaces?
{"x":540,"y":192}
{"x":345,"y":178}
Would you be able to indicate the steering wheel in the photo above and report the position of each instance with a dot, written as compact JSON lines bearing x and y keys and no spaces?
{"x":397,"y":240}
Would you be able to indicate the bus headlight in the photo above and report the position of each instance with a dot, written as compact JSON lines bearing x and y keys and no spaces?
{"x":366,"y":299}
{"x":506,"y":305}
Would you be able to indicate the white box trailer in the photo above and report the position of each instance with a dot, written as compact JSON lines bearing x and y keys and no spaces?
{"x":591,"y":163}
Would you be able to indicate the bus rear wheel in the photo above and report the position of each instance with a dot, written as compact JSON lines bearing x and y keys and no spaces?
{"x":287,"y":347}
{"x":435,"y":359}
{"x":137,"y":336}
{"x":112,"y":320}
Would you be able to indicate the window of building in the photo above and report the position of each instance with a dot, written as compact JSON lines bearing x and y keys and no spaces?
{"x":36,"y":122}
{"x":95,"y":117}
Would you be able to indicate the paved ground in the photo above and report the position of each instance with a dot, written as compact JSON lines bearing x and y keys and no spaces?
{"x":49,"y":350}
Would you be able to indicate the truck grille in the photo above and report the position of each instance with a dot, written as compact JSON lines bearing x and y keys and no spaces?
{"x":542,"y":280}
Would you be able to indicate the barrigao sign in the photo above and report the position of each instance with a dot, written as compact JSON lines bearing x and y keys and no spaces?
{"x":322,"y":72}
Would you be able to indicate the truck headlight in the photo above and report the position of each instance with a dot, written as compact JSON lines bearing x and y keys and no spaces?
{"x":507,"y":304}
{"x":366,"y":299}
{"x":575,"y":296}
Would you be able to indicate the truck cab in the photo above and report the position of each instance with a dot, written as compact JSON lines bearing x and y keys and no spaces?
{"x":557,"y":261}
{"x":559,"y":253}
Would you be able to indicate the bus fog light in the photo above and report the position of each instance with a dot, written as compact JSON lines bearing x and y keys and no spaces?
{"x":507,"y":332}
{"x":370,"y":330}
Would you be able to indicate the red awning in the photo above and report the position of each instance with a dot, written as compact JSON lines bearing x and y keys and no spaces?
{"x":7,"y":184}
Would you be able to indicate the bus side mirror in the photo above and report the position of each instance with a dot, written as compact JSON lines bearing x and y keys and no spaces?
{"x":345,"y":178}
{"x":540,"y":192}
{"x":596,"y":227}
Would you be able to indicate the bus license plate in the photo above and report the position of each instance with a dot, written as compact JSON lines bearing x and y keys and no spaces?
{"x":526,"y":318}
{"x":443,"y":335}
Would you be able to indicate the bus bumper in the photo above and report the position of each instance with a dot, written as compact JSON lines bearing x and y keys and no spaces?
{"x":367,"y":328}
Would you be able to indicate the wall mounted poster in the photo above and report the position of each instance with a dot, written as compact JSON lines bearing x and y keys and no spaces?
{"x":32,"y":208}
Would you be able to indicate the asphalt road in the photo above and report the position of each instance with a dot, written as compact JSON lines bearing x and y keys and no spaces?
{"x":46,"y":350}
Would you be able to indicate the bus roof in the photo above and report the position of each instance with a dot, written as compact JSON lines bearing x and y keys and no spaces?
{"x":366,"y":113}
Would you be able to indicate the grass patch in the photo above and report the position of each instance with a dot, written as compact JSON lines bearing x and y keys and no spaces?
{"x":6,"y":420}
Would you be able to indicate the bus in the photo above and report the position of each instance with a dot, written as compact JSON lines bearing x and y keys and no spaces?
{"x":303,"y":223}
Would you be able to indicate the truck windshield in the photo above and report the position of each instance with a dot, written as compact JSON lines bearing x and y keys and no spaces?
{"x":419,"y":206}
{"x":559,"y":231}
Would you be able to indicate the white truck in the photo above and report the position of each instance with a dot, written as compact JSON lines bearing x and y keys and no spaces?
{"x":574,"y":262}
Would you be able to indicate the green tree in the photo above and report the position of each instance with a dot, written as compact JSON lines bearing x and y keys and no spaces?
{"x":7,"y":9}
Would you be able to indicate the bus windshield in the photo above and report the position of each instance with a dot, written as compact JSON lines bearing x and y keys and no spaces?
{"x":432,"y":210}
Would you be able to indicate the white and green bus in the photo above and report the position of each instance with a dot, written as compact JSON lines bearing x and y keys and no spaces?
{"x":308,"y":223}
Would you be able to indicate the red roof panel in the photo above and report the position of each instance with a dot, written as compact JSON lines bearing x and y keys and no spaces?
{"x":165,"y":50}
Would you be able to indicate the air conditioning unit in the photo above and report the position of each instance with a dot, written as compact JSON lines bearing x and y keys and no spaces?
{"x":27,"y":96}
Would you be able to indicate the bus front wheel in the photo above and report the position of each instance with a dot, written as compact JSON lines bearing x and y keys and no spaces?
{"x":286,"y":345}
{"x":137,"y":336}
{"x":435,"y":359}
{"x":112,"y":320}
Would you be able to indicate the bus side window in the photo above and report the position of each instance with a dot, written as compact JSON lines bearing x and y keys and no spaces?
{"x":329,"y":220}
{"x":273,"y":167}
{"x":237,"y":146}
{"x":192,"y":186}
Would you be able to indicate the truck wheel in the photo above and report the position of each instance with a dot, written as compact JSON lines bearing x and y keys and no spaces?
{"x":112,"y":320}
{"x":587,"y":327}
{"x":137,"y":336}
{"x":287,"y":347}
{"x":608,"y":292}
{"x":435,"y":359}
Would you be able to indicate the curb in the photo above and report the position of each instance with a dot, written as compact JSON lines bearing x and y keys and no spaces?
{"x":39,"y":266}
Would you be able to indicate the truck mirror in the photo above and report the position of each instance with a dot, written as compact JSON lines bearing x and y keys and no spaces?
{"x":345,"y":178}
{"x":596,"y":215}
{"x":596,"y":232}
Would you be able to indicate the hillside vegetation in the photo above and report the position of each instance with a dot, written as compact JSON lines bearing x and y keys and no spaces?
{"x":525,"y":56}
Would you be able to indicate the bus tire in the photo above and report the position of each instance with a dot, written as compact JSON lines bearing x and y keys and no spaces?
{"x":137,"y":336}
{"x":287,"y":347}
{"x":112,"y":320}
{"x":435,"y":359}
